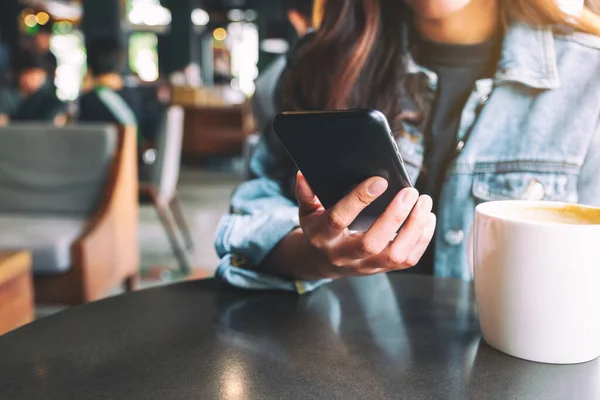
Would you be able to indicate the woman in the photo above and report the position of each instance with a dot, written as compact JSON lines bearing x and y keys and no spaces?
{"x":488,"y":99}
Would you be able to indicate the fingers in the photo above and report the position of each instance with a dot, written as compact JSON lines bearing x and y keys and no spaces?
{"x":373,"y":251}
{"x":384,"y":229}
{"x":378,"y":237}
{"x":346,"y":210}
{"x":423,"y":242}
{"x":406,"y":247}
{"x":405,"y":242}
{"x":307,"y":200}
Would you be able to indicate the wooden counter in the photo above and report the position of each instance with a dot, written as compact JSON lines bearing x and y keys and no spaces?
{"x":214,"y":130}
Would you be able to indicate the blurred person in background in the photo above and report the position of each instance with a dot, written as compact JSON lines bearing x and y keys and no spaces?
{"x":108,"y":99}
{"x":264,"y":107}
{"x":36,"y":98}
{"x":486,"y":99}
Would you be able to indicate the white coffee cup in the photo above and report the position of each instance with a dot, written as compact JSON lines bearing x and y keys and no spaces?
{"x":537,"y":279}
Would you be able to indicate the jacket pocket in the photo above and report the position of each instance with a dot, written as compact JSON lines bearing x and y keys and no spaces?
{"x":517,"y":185}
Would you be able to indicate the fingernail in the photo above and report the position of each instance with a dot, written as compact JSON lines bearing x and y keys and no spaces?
{"x":377,"y":187}
{"x":406,"y":194}
{"x":425,"y":204}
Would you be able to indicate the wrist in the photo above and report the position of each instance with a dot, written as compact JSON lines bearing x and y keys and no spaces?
{"x":295,"y":258}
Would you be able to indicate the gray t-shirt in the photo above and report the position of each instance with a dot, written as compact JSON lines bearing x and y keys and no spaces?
{"x":457,"y":67}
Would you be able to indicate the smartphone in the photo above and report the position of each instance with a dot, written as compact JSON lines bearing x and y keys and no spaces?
{"x":337,"y":150}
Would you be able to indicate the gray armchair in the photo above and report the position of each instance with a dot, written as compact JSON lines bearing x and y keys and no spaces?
{"x":68,"y":195}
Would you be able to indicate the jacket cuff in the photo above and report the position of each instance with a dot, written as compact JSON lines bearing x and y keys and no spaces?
{"x":253,"y":237}
{"x":256,"y":280}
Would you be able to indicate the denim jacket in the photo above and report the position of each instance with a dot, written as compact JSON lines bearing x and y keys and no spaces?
{"x":533,"y":133}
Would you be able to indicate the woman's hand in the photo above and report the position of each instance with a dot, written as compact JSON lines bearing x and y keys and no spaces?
{"x":378,"y":250}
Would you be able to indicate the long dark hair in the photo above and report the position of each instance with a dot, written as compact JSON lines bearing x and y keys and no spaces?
{"x":356,"y":59}
{"x":358,"y":56}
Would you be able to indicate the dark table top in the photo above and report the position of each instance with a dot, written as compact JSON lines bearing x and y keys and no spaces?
{"x":381,"y":337}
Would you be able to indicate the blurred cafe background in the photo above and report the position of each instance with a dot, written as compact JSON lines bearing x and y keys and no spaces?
{"x":102,"y":194}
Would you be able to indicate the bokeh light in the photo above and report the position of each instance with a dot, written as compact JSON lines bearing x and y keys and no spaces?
{"x":275,"y":46}
{"x":200,"y":17}
{"x":42,"y":18}
{"x":70,"y":55}
{"x":251,"y":15}
{"x":220,"y":34}
{"x":236,"y":15}
{"x":147,"y":68}
{"x":30,"y":20}
{"x":63,"y":27}
{"x":242,"y":38}
{"x":149,"y":12}
{"x":143,"y":57}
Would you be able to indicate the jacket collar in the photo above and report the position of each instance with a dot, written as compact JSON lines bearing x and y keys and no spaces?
{"x":529,"y":57}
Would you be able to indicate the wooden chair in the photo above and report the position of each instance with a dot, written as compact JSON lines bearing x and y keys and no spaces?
{"x":105,"y":253}
{"x":16,"y":290}
{"x":159,"y":188}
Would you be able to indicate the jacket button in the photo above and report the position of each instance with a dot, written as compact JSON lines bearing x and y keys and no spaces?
{"x":454,"y":237}
{"x":535,"y":190}
{"x":238,"y":261}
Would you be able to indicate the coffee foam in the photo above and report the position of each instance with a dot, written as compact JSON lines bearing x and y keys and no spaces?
{"x":568,"y":215}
